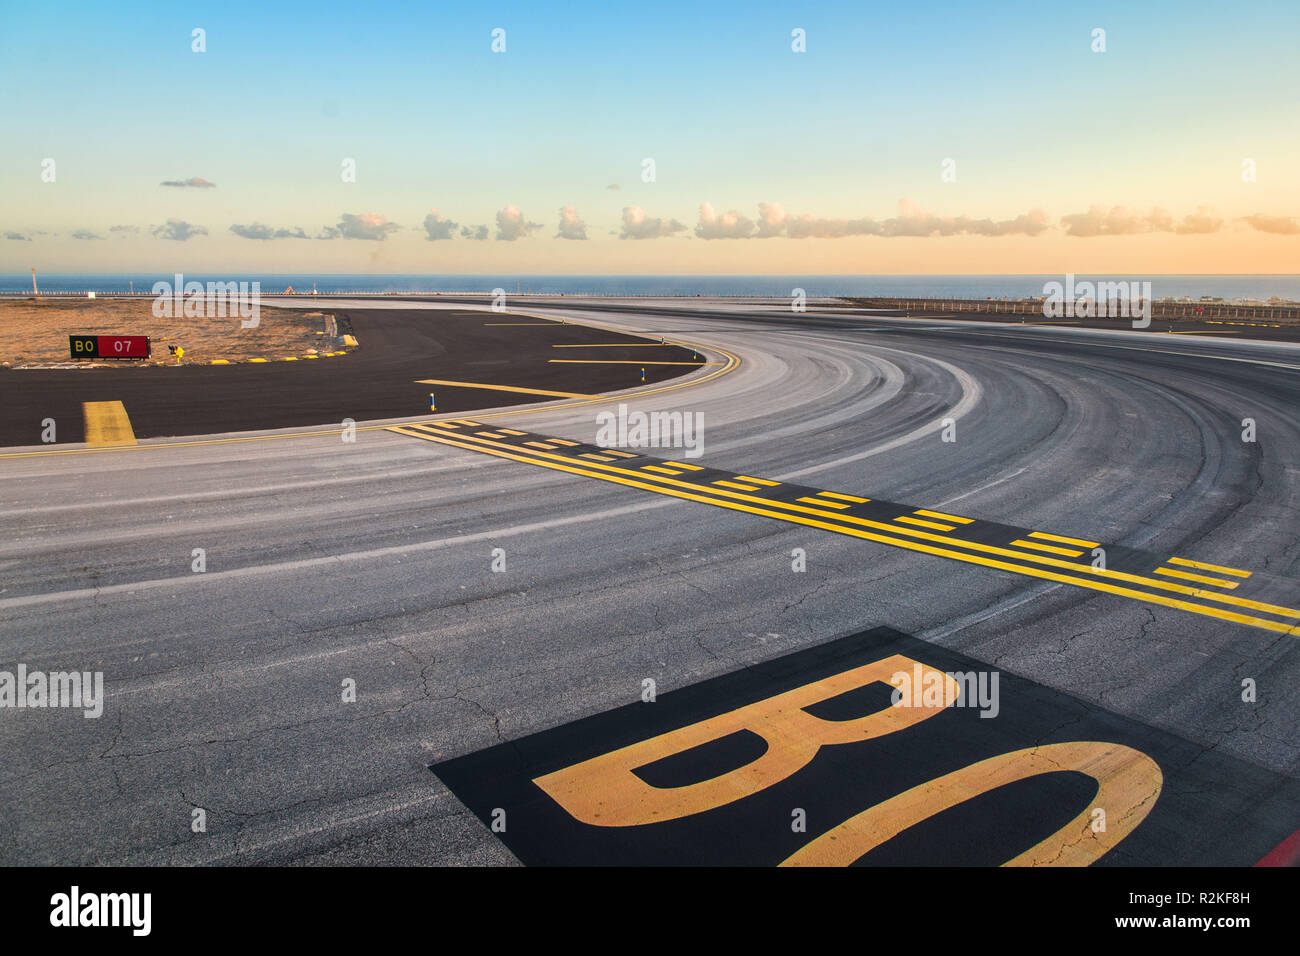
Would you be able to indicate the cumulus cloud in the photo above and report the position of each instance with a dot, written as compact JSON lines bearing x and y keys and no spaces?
{"x":512,"y":225}
{"x":259,"y":231}
{"x":18,"y":236}
{"x":368,"y":225}
{"x":437,"y":227}
{"x":1281,"y":225}
{"x":1201,"y":222}
{"x":637,"y":226}
{"x":474,"y":232}
{"x":728,"y":225}
{"x":571,"y":227}
{"x":328,"y":232}
{"x":773,"y":220}
{"x":1118,"y":221}
{"x":914,"y":221}
{"x":125,"y":230}
{"x":194,"y":182}
{"x":85,"y":234}
{"x":178,"y":230}
{"x":805,"y":226}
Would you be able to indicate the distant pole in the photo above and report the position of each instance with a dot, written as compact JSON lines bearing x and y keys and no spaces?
{"x":34,"y":291}
{"x":133,"y":287}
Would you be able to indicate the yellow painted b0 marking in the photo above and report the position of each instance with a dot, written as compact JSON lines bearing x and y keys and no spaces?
{"x":604,"y":791}
{"x":1128,"y":783}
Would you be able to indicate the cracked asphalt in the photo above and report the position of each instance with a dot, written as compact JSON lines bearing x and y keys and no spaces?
{"x":371,"y":562}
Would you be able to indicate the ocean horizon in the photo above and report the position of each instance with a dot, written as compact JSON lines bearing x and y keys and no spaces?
{"x":1230,"y":288}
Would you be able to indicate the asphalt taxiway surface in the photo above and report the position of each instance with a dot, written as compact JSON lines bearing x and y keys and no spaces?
{"x":498,"y":609}
{"x":380,"y":379}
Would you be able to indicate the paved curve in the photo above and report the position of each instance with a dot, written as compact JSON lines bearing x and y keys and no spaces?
{"x":371,"y":562}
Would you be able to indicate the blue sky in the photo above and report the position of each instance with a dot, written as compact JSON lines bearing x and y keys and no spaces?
{"x":584,"y":92}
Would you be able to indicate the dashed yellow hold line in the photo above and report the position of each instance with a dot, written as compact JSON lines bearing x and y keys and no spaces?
{"x":1203,"y":579}
{"x":811,"y":518}
{"x":1063,"y":539}
{"x":741,"y":502}
{"x":921,"y":523}
{"x":941,"y":516}
{"x":821,"y":501}
{"x":1049,"y":548}
{"x":1204,"y":566}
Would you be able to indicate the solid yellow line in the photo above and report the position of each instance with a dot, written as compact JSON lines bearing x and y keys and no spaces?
{"x":565,"y":441}
{"x":1187,"y":576}
{"x":503,"y":388}
{"x":615,"y":452}
{"x":107,"y":424}
{"x":943,"y":517}
{"x":942,"y":539}
{"x":538,"y":444}
{"x":759,"y":481}
{"x":682,"y":464}
{"x":923,"y":524}
{"x":618,"y":345}
{"x":1051,"y":548}
{"x":1202,"y":565}
{"x":595,"y":457}
{"x":490,"y":434}
{"x":836,"y":494}
{"x":522,"y":323}
{"x":1063,"y":539}
{"x":883,"y":539}
{"x":666,"y":471}
{"x":622,"y":362}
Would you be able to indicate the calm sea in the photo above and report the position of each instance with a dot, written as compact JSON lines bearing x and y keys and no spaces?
{"x":1227,"y":287}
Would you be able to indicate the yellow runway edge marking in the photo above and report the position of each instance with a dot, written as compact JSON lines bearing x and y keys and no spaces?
{"x":107,"y":424}
{"x":615,"y":474}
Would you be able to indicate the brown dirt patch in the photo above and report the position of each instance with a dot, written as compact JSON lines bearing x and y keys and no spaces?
{"x":35,"y":332}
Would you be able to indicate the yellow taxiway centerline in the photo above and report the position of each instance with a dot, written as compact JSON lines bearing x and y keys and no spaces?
{"x":622,"y":362}
{"x":503,"y":388}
